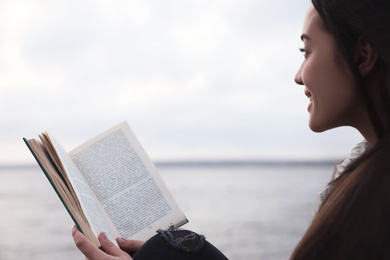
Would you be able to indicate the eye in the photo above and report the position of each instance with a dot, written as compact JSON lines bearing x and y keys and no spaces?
{"x":303,"y":51}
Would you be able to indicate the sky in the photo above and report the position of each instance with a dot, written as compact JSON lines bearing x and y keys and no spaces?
{"x":195,"y":79}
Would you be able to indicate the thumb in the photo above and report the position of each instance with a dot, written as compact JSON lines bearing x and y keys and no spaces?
{"x":110,"y":248}
{"x":129,"y":245}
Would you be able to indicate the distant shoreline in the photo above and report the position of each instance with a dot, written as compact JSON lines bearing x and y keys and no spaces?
{"x":215,"y":163}
{"x":249,"y":163}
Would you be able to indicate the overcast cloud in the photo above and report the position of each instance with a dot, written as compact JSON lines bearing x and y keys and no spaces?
{"x":194,"y":79}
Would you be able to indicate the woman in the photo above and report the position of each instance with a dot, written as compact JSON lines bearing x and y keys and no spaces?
{"x":347,"y":79}
{"x":346,"y":75}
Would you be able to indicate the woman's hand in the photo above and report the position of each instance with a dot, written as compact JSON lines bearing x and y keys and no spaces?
{"x":110,"y":251}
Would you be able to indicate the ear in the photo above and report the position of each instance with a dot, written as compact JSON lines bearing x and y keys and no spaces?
{"x":365,"y":56}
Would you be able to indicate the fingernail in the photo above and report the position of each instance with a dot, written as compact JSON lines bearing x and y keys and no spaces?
{"x":104,"y":236}
{"x":121,"y":240}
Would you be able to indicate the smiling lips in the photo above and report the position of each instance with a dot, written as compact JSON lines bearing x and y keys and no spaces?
{"x":308,"y":94}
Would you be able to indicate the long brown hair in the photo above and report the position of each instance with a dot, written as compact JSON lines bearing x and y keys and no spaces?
{"x":353,"y":222}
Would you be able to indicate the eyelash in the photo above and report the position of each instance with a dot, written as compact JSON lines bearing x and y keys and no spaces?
{"x":304,"y":52}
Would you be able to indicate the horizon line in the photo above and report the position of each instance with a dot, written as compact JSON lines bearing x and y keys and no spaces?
{"x":215,"y":163}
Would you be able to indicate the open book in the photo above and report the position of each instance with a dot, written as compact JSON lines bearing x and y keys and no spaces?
{"x":108,"y":184}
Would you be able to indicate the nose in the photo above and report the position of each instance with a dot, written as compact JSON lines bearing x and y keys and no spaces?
{"x":298,"y":76}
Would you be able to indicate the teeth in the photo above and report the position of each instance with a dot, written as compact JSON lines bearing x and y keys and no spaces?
{"x":311,"y":99}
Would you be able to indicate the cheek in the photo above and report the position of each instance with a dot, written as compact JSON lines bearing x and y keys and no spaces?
{"x":315,"y":71}
{"x":335,"y":95}
{"x":323,"y":76}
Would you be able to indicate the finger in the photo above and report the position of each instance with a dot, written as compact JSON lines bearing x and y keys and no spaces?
{"x":87,"y":247}
{"x":129,"y":245}
{"x":110,"y":248}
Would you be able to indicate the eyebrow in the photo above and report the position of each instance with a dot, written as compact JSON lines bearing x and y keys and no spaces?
{"x":305,"y":36}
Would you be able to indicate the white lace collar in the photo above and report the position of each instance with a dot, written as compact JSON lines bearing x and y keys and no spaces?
{"x":358,"y":150}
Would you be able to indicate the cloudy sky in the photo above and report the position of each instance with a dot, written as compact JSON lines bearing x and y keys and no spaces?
{"x":195,"y":79}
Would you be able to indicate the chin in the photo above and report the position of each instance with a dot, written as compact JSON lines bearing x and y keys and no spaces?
{"x":315,"y":130}
{"x":318,"y":128}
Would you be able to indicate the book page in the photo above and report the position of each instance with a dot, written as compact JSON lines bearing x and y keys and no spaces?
{"x":87,"y":199}
{"x":127,"y":183}
{"x":61,"y":187}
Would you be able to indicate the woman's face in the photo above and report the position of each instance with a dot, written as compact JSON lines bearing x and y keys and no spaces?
{"x":330,"y":86}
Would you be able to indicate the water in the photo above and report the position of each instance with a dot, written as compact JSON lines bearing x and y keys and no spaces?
{"x":248,"y":212}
